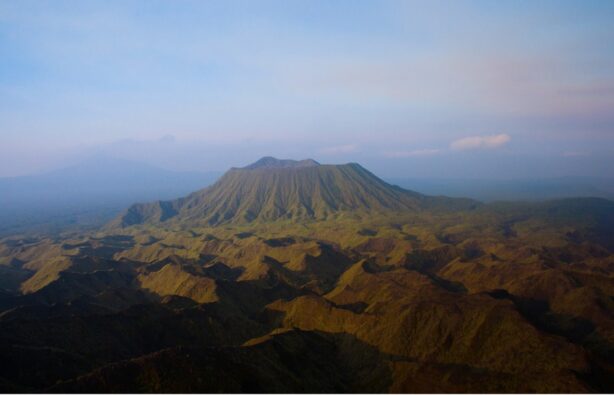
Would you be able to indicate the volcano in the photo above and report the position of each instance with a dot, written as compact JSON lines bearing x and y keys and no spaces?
{"x":274,"y":189}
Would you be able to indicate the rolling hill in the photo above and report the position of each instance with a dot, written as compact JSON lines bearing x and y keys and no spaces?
{"x":292,"y":276}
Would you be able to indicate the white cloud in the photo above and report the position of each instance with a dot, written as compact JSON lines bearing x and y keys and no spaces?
{"x":481,"y":142}
{"x":409,"y":154}
{"x":339,"y":149}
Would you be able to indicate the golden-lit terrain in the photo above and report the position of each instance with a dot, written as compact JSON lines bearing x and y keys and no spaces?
{"x":286,"y":277}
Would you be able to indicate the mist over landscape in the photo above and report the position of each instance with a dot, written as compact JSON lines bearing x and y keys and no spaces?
{"x":90,"y":193}
{"x":306,"y":196}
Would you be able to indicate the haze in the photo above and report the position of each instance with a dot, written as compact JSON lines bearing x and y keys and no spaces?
{"x":306,"y":196}
{"x":408,"y":89}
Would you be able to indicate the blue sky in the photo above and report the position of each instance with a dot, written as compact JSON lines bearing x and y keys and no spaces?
{"x":434,"y":89}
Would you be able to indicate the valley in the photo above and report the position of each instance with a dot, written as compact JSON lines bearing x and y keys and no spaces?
{"x":291,"y":276}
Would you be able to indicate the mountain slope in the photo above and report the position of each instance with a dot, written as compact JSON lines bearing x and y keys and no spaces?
{"x":273,"y":189}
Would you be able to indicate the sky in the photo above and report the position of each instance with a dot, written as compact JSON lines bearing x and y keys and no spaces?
{"x":445,"y":89}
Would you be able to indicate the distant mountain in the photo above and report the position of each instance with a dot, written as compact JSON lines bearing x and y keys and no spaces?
{"x":488,"y":190}
{"x":91,"y":192}
{"x":272,"y":189}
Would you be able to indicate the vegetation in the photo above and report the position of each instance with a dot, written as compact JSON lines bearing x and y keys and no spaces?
{"x":299,"y":277}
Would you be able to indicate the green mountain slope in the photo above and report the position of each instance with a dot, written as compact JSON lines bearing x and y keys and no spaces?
{"x":273,"y":189}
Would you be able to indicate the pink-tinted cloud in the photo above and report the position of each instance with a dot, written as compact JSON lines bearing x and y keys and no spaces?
{"x":481,"y":142}
{"x":491,"y":84}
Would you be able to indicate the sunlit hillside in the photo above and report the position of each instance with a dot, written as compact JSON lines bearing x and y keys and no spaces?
{"x":316,"y":278}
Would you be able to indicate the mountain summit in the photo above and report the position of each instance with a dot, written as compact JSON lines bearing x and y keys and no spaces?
{"x":268,"y":162}
{"x":272,"y":189}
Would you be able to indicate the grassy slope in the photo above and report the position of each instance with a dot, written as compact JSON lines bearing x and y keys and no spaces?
{"x":296,"y":194}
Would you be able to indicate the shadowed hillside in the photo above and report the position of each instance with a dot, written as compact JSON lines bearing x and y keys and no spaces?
{"x":291,"y":276}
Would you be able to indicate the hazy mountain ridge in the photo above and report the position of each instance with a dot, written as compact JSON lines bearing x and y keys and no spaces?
{"x":488,"y":190}
{"x":87,"y":194}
